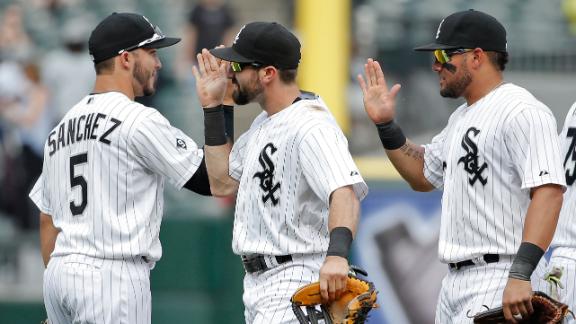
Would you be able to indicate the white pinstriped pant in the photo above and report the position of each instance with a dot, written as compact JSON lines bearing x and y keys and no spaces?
{"x":465,"y":291}
{"x":267,"y":295}
{"x":565,"y":257}
{"x":80,"y":289}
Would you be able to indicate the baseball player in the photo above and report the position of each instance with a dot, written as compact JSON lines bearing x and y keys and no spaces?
{"x":101,"y":189}
{"x":563,"y":258}
{"x":497,"y":161}
{"x":298,"y":189}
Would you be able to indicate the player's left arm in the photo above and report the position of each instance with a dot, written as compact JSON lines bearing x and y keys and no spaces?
{"x":542,"y":215}
{"x":342,"y":222}
{"x":333,"y":176}
{"x":48,"y":234}
{"x":535,"y":150}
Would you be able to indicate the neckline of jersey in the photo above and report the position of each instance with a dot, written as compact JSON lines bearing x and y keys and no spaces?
{"x":492,"y":91}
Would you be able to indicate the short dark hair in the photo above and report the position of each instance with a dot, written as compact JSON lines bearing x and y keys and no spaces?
{"x":104,"y":66}
{"x":288,"y":76}
{"x":498,"y":59}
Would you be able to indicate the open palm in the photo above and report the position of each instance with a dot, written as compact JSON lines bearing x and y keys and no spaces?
{"x":379,"y":102}
{"x":211,"y":79}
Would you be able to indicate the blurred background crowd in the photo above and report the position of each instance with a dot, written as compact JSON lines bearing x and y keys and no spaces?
{"x":45,"y":69}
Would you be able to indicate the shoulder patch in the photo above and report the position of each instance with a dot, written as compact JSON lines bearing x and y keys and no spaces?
{"x":180,"y":143}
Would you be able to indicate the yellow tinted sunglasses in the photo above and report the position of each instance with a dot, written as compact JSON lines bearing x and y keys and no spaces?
{"x":238,"y":67}
{"x":444,"y":56}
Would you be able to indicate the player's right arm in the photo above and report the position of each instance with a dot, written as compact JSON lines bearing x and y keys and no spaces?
{"x":379,"y":103}
{"x":211,"y":84}
{"x":48,"y":234}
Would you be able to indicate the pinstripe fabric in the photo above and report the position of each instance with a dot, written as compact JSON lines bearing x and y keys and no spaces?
{"x":310,"y":159}
{"x":267,"y":295}
{"x":102,"y":182}
{"x":564,"y":242}
{"x":125,"y":179}
{"x":464,"y":292}
{"x":486,"y":160}
{"x":287,"y":164}
{"x":565,"y":235}
{"x":84,"y":290}
{"x":493,"y":152}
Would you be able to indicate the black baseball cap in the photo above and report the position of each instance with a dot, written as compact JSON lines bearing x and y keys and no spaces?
{"x":265,"y":43}
{"x":125,"y":31}
{"x":469,"y":29}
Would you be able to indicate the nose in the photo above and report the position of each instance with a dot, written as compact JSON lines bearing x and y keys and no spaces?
{"x":158,"y":63}
{"x":436,"y":66}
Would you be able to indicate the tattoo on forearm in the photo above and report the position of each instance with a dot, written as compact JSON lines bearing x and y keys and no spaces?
{"x":414,"y":152}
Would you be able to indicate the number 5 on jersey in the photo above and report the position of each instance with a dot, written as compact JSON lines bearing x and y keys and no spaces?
{"x":78,"y":181}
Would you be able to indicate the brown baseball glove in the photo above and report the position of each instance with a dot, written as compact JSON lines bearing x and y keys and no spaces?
{"x":546,"y":311}
{"x":351,"y":308}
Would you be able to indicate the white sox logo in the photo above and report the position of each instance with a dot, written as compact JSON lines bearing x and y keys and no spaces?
{"x":238,"y":35}
{"x":439,"y":27}
{"x":266,"y":176}
{"x":470,"y":160}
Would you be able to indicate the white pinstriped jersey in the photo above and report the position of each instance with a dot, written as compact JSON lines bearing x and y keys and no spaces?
{"x":486,"y":160}
{"x":288,"y":164}
{"x":103,"y":177}
{"x":565,"y":234}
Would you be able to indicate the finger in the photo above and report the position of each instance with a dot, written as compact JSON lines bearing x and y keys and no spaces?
{"x":332,"y":289}
{"x":522,"y":310}
{"x":362,"y":84}
{"x":324,"y":290}
{"x":367,"y":73}
{"x":195,"y":73}
{"x":529,"y":308}
{"x":508,"y":314}
{"x":372,"y":68}
{"x":394,"y":91}
{"x":223,"y":66}
{"x":337,"y":288}
{"x":342,"y":288}
{"x":214,"y":65}
{"x":380,"y":78}
{"x":514,"y":311}
{"x":200,"y":60}
{"x":206,"y":60}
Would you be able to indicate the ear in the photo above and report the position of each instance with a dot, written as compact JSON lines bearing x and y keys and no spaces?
{"x":267,"y":74}
{"x":478,"y":57}
{"x":125,"y":60}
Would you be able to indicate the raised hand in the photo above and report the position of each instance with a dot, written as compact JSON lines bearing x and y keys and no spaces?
{"x":211,"y":79}
{"x":379,"y":101}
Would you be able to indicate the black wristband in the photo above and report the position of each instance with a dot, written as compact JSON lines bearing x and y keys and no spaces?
{"x":526,"y":260}
{"x":340,"y":242}
{"x":214,"y":131}
{"x":391,"y":135}
{"x":229,"y":122}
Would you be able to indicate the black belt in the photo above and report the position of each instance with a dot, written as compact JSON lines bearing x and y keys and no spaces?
{"x":257,"y":262}
{"x":488,"y":258}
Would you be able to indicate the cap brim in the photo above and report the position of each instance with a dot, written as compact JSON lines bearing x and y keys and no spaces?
{"x":434,"y":46}
{"x":230,"y":55}
{"x":164,"y":42}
